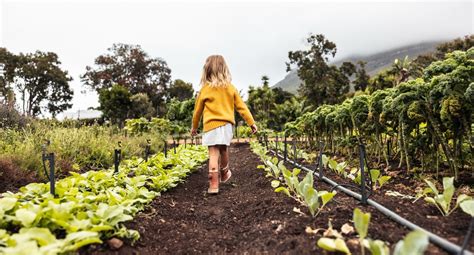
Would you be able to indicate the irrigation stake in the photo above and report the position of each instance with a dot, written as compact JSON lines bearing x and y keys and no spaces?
{"x":362,"y":174}
{"x":295,"y":155}
{"x":174,"y":145}
{"x":285,"y":150}
{"x":321,"y":148}
{"x":165,"y":148}
{"x":388,"y":149}
{"x":117,"y":157}
{"x":276,"y":143}
{"x":50,"y":158}
{"x":266,"y":141}
{"x":147,"y":149}
{"x":52,"y":179}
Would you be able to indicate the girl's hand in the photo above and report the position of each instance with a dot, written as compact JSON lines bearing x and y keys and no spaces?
{"x":193,"y":132}
{"x":254,"y":129}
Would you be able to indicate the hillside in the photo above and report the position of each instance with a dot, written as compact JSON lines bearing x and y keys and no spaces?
{"x":375,"y":62}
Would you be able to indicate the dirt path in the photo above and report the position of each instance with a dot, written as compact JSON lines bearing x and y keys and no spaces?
{"x":246,"y":217}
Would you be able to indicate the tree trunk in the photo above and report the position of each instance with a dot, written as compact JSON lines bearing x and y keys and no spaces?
{"x":440,"y":139}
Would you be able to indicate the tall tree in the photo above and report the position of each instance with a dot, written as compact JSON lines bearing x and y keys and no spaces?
{"x":130,"y":66}
{"x":39,"y":80}
{"x":115,"y":103}
{"x":141,"y":106}
{"x":181,"y":90}
{"x":321,"y":83}
{"x":281,"y":95}
{"x":10,"y":64}
{"x":361,"y":77}
{"x":265,"y":80}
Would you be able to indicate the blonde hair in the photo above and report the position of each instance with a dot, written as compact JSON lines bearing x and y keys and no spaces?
{"x":215,"y":72}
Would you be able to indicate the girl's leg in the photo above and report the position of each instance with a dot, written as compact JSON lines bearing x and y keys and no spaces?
{"x":224,"y":152}
{"x":224,"y":164}
{"x":213,"y":170}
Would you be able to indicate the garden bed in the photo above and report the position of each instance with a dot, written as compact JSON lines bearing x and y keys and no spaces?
{"x":247,"y":216}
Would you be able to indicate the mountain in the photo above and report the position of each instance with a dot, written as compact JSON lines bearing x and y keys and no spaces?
{"x":375,"y":62}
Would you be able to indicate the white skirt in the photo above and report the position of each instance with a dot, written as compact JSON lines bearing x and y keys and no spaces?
{"x":218,"y":136}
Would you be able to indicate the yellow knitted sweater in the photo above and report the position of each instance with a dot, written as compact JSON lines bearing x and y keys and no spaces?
{"x":216,"y":105}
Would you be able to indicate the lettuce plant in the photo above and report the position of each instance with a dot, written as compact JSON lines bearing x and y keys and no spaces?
{"x":443,"y":201}
{"x":288,"y":182}
{"x":89,"y":207}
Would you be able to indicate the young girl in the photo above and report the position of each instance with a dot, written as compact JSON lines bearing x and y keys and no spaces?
{"x":216,"y":102}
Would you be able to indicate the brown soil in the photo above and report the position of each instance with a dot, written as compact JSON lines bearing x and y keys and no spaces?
{"x":246,"y":217}
{"x":12,"y":177}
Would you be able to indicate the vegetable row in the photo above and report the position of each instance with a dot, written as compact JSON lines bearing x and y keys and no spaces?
{"x":89,"y":207}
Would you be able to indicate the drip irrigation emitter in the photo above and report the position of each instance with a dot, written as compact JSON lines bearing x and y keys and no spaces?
{"x":50,"y":158}
{"x":117,"y":157}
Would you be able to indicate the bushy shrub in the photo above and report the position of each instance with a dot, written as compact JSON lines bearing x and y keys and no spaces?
{"x":75,"y":148}
{"x":11,"y":118}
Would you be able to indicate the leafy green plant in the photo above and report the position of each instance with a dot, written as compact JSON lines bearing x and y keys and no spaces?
{"x":361,"y":224}
{"x":378,"y":180}
{"x":338,"y":168}
{"x":336,"y":244}
{"x":89,"y":206}
{"x":468,"y":206}
{"x":443,"y":201}
{"x":415,"y":243}
{"x":288,"y":182}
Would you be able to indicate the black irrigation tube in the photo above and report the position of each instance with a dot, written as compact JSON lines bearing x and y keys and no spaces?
{"x":439,"y":241}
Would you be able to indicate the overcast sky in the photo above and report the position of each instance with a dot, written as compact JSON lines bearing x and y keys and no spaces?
{"x":253,"y":37}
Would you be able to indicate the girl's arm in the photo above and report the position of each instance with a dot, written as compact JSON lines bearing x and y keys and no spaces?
{"x":198,"y":108}
{"x":242,"y":109}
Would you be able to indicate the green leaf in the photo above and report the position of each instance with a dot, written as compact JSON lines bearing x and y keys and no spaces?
{"x":325,"y":160}
{"x":41,"y":235}
{"x":326,"y":196}
{"x":468,"y":206}
{"x":378,"y":247}
{"x":332,"y":164}
{"x":461,"y":198}
{"x":296,"y":171}
{"x":337,"y":244}
{"x":7,"y":203}
{"x":374,"y":174}
{"x":361,"y":222}
{"x":26,"y":217}
{"x":432,"y":187}
{"x":76,"y":240}
{"x":448,"y":192}
{"x":383,"y":179}
{"x":275,"y":183}
{"x":284,"y":190}
{"x":415,"y":243}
